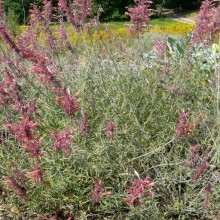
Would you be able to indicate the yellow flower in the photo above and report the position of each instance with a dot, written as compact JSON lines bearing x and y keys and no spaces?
{"x":203,"y":82}
{"x":215,"y":47}
{"x":15,"y":210}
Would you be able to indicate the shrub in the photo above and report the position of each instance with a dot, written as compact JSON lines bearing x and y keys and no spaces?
{"x":108,"y":129}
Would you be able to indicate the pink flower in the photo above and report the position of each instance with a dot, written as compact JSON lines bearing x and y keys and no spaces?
{"x":83,"y":125}
{"x":97,"y":192}
{"x":138,"y":189}
{"x":36,"y":176}
{"x":17,"y":183}
{"x":27,"y":110}
{"x":194,"y":157}
{"x":207,"y":24}
{"x":33,"y":147}
{"x":140,"y":14}
{"x":100,"y":9}
{"x":76,"y":12}
{"x":6,"y":97}
{"x":62,"y":31}
{"x":23,"y":130}
{"x":182,"y":127}
{"x":47,"y":12}
{"x":35,"y":15}
{"x":201,"y":169}
{"x":208,"y":192}
{"x":44,"y":73}
{"x":62,"y":141}
{"x":160,"y":48}
{"x":110,"y":129}
{"x":69,"y":103}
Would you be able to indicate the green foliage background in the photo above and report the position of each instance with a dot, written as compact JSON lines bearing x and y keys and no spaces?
{"x":113,"y":9}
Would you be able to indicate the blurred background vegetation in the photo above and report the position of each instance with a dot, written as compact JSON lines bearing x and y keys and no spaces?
{"x":114,"y":10}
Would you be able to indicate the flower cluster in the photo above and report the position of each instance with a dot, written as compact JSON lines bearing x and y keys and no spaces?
{"x":62,"y":141}
{"x":207,"y":24}
{"x":68,"y":102}
{"x":24,"y":133}
{"x":182,"y":127}
{"x":36,"y":176}
{"x":199,"y":160}
{"x":110,"y":128}
{"x":208,"y":192}
{"x":83,"y":125}
{"x":160,"y":48}
{"x":98,"y":191}
{"x":138,"y":189}
{"x":140,"y":14}
{"x":16,"y":181}
{"x":47,"y":12}
{"x":76,"y":12}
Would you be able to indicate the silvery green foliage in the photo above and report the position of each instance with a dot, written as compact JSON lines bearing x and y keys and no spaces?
{"x":175,"y":48}
{"x":206,"y":58}
{"x":150,"y":59}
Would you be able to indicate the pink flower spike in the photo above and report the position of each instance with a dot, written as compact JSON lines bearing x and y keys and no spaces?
{"x":207,"y":24}
{"x":183,"y":128}
{"x":140,"y":15}
{"x":160,"y":48}
{"x":34,"y":148}
{"x":76,"y":12}
{"x":69,"y":103}
{"x":47,"y":12}
{"x":83,"y":125}
{"x":1,"y":8}
{"x":201,"y":169}
{"x":36,"y":176}
{"x":23,"y":130}
{"x":110,"y":129}
{"x":137,"y":190}
{"x":97,"y":192}
{"x":208,"y":192}
{"x":15,"y":182}
{"x":62,"y":141}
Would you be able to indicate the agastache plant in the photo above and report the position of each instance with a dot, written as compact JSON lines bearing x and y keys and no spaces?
{"x":76,"y":12}
{"x":16,"y":181}
{"x":47,"y":12}
{"x":1,"y":9}
{"x":14,"y":184}
{"x":199,"y":161}
{"x":98,"y":191}
{"x":62,"y":141}
{"x":138,"y":189}
{"x":110,"y":128}
{"x":207,"y":24}
{"x":160,"y":48}
{"x":183,"y":128}
{"x":36,"y":176}
{"x":208,"y":193}
{"x":140,"y":15}
{"x":83,"y":125}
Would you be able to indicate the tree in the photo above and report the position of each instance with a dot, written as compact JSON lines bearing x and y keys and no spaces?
{"x":183,"y":4}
